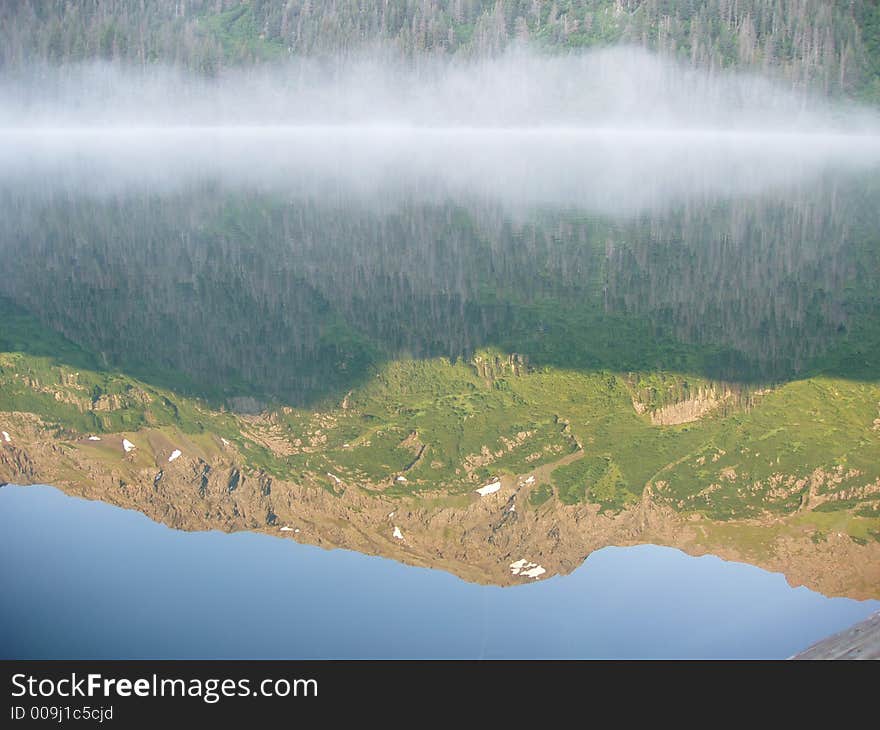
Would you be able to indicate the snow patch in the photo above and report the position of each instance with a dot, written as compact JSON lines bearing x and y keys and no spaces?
{"x":397,"y":533}
{"x":225,"y":442}
{"x":334,"y":478}
{"x":401,"y":479}
{"x":286,"y":529}
{"x":490,"y":488}
{"x":127,"y":445}
{"x":6,"y":437}
{"x":527,"y":569}
{"x":512,"y":508}
{"x":174,"y":455}
{"x":530,"y":480}
{"x":94,"y":438}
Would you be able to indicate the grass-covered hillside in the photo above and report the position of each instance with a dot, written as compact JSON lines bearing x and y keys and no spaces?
{"x":809,"y":445}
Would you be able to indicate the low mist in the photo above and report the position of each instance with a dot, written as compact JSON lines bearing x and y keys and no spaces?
{"x":620,"y":87}
{"x":616,"y":131}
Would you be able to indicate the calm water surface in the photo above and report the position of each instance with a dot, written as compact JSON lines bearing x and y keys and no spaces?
{"x":86,"y":580}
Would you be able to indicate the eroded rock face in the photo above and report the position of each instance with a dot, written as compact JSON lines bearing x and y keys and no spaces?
{"x":687,"y":411}
{"x":693,"y":403}
{"x":476,"y":538}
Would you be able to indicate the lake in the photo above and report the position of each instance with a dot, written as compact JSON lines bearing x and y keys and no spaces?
{"x":87,"y":580}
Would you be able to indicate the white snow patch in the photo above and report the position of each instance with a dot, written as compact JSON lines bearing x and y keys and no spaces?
{"x":490,"y":488}
{"x":94,"y":438}
{"x":6,"y":437}
{"x":530,"y":480}
{"x":512,"y":508}
{"x":174,"y":454}
{"x":334,"y":478}
{"x":401,"y":479}
{"x":127,"y":445}
{"x":525,"y":568}
{"x":518,"y":566}
{"x":225,"y":442}
{"x":286,"y":529}
{"x":296,"y":530}
{"x":391,"y":514}
{"x":397,"y":533}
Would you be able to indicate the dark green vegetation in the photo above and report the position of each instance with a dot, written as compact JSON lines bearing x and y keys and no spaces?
{"x":829,"y":46}
{"x":595,"y":479}
{"x":247,"y":300}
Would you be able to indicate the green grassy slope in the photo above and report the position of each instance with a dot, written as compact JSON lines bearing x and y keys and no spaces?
{"x":453,"y":425}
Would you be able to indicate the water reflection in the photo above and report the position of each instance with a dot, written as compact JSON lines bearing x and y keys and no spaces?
{"x":282,"y":263}
{"x":135,"y":589}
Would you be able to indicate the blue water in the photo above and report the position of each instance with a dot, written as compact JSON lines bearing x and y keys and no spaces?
{"x":84,"y":579}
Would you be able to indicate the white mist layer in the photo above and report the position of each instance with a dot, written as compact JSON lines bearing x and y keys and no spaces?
{"x":620,"y":88}
{"x":602,"y":171}
{"x":616,"y":132}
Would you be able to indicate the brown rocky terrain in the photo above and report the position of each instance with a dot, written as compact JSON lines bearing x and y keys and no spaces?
{"x":207,"y":487}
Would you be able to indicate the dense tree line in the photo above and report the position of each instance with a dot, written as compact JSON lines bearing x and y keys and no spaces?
{"x":820,"y":44}
{"x":296,"y":298}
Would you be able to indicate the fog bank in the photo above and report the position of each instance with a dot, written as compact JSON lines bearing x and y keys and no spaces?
{"x":619,"y":87}
{"x":616,"y":131}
